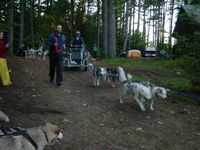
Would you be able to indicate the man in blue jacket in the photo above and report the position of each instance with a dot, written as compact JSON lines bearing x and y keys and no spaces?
{"x":56,"y":43}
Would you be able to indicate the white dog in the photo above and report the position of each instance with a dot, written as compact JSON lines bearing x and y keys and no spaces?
{"x":156,"y":91}
{"x":143,"y":91}
{"x":110,"y":74}
{"x":138,"y":91}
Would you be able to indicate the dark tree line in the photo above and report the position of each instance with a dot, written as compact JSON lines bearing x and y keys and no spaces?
{"x":114,"y":25}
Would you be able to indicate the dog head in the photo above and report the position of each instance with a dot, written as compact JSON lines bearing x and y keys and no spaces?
{"x":52,"y":133}
{"x":160,"y":92}
{"x":103,"y":73}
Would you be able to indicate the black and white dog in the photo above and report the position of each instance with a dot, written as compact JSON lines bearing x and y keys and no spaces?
{"x":98,"y":73}
{"x":157,"y":92}
{"x":142,"y":92}
{"x":139,"y":92}
{"x":109,"y":74}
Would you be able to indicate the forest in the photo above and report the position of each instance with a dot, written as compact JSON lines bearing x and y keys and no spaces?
{"x":86,"y":101}
{"x":115,"y":26}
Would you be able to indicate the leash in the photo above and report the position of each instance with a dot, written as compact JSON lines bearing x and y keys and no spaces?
{"x":17,"y":132}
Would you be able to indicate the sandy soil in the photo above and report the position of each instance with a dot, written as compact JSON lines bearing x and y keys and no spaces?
{"x":92,"y":118}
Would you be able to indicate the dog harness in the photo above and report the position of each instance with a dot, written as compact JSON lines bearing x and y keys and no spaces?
{"x":112,"y":72}
{"x":5,"y":131}
{"x":46,"y":137}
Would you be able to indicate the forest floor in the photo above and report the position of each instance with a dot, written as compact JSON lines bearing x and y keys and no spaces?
{"x":92,"y":118}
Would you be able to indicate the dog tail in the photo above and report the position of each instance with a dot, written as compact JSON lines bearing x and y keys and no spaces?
{"x":122,"y":76}
{"x":4,"y":117}
{"x":90,"y":66}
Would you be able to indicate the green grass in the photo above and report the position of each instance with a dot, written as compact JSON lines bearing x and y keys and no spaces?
{"x":164,"y":71}
{"x":145,"y":63}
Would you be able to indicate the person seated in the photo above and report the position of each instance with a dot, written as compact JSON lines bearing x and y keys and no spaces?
{"x":77,"y":41}
{"x":78,"y":47}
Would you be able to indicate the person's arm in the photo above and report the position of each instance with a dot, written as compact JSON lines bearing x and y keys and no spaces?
{"x":64,"y":46}
{"x":64,"y":41}
{"x":71,"y":42}
{"x":7,"y":45}
{"x":50,"y":41}
{"x":82,"y":42}
{"x":2,"y":47}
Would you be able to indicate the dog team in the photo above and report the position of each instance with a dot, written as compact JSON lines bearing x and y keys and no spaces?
{"x":140,"y":91}
{"x":47,"y":134}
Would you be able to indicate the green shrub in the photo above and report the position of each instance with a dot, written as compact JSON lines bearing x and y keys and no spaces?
{"x":191,"y":65}
{"x":188,"y":47}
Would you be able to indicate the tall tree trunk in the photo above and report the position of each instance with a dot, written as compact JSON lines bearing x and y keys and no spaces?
{"x":105,"y":27}
{"x":139,"y":8}
{"x":133,"y":28}
{"x":159,"y":25}
{"x":39,"y":17}
{"x":149,"y":25}
{"x":47,"y":3}
{"x":98,"y":26}
{"x":154,"y":26}
{"x":111,"y":29}
{"x":82,"y":14}
{"x":125,"y":38}
{"x":148,"y":31}
{"x":72,"y":17}
{"x":88,"y":6}
{"x":130,"y":24}
{"x":144,"y":25}
{"x":163,"y":23}
{"x":122,"y":24}
{"x":171,"y":25}
{"x":10,"y":20}
{"x":32,"y":22}
{"x":51,"y":4}
{"x":21,"y":29}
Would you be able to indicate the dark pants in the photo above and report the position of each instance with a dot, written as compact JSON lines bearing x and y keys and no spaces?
{"x":56,"y":64}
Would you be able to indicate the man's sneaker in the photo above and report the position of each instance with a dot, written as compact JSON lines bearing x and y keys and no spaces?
{"x":59,"y":84}
{"x":51,"y":81}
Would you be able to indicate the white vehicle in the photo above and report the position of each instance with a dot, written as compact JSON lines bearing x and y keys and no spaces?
{"x":77,"y":58}
{"x":150,"y":51}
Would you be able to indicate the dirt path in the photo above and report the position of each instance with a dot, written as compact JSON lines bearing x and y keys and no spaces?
{"x":92,"y":118}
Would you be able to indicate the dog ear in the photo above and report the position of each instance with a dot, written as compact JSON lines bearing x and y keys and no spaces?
{"x":57,"y":129}
{"x":4,"y":117}
{"x":159,"y":90}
